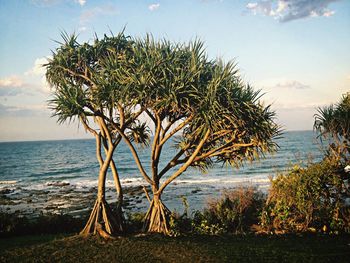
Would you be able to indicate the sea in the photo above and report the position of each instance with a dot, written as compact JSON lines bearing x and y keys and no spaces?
{"x":61,"y":176}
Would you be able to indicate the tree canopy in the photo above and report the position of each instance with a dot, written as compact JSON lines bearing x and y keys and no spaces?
{"x":217,"y":117}
{"x":334,"y":120}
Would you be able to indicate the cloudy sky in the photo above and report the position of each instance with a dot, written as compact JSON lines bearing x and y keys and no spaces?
{"x":295,"y":51}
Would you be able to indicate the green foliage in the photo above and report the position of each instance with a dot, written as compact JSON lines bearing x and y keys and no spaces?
{"x":308,"y":199}
{"x":116,"y":80}
{"x":235,"y":212}
{"x":171,"y":82}
{"x":84,"y":82}
{"x":179,"y":224}
{"x":203,"y":225}
{"x":334,"y":120}
{"x":13,"y":224}
{"x":134,"y":222}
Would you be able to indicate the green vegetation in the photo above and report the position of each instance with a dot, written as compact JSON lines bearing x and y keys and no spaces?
{"x":237,"y":211}
{"x":156,"y":248}
{"x":308,"y":199}
{"x":334,"y":120}
{"x":84,"y":90}
{"x":16,"y":225}
{"x":108,"y":85}
{"x":113,"y":81}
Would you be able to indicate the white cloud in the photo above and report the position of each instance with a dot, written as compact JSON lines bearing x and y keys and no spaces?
{"x":38,"y":68}
{"x":54,"y":2}
{"x":288,"y":10}
{"x":82,"y":29}
{"x":89,"y":14}
{"x":11,"y":82}
{"x":283,"y":83}
{"x":81,"y":2}
{"x":30,"y":81}
{"x":154,"y":6}
{"x":11,"y":86}
{"x":291,"y":84}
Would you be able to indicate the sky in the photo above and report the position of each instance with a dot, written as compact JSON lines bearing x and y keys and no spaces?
{"x":297,"y":52}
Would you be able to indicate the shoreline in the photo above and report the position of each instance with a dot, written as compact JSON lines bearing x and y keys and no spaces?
{"x":60,"y":197}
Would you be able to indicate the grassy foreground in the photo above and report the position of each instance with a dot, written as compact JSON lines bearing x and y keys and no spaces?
{"x":155,"y":248}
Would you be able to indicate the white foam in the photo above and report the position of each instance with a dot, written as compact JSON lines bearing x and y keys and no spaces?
{"x":221,"y":180}
{"x":8,"y":182}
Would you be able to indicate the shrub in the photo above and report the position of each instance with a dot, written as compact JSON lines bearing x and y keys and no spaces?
{"x":311,"y":198}
{"x":13,"y":224}
{"x":134,"y":222}
{"x":203,"y":224}
{"x":235,"y":212}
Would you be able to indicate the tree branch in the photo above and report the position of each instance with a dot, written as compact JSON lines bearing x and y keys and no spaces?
{"x":178,"y":128}
{"x":172,"y":163}
{"x":185,"y":165}
{"x":78,"y":75}
{"x":134,"y":153}
{"x":155,"y":146}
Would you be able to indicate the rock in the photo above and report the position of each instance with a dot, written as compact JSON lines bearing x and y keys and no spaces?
{"x":195,"y":191}
{"x":6,"y":191}
{"x":57,"y":183}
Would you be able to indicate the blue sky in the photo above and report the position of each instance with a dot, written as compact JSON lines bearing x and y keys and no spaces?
{"x":295,"y":51}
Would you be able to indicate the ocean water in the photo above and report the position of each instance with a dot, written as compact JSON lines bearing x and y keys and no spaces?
{"x":54,"y":175}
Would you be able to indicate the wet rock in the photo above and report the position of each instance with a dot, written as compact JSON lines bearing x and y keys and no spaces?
{"x":6,"y":191}
{"x":195,"y":191}
{"x":58,"y":183}
{"x":51,"y":207}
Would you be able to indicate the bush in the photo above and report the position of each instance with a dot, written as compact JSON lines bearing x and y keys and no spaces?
{"x":134,"y":222}
{"x":12,"y":224}
{"x":308,"y":199}
{"x":235,"y":212}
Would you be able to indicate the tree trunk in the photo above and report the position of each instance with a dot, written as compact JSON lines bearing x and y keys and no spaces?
{"x":102,"y":220}
{"x":120,"y":197}
{"x":157,"y":217}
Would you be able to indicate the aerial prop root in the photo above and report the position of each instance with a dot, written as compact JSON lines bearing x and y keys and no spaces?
{"x":157,"y":217}
{"x":101,"y":221}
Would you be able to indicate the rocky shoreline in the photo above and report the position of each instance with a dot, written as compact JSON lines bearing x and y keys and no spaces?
{"x":64,"y":198}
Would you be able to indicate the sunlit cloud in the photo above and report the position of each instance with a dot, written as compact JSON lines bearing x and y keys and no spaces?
{"x":38,"y":68}
{"x":288,"y":10}
{"x":81,"y":2}
{"x":11,"y":86}
{"x":33,"y":80}
{"x":154,"y":6}
{"x":11,"y":82}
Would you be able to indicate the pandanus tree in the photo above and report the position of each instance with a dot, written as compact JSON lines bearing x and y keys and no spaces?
{"x":80,"y":77}
{"x":215,"y":117}
{"x":333,"y":121}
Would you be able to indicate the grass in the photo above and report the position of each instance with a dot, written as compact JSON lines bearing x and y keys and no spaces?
{"x":156,"y":248}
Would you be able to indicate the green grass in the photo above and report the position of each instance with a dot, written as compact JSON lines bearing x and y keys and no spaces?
{"x":155,"y":248}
